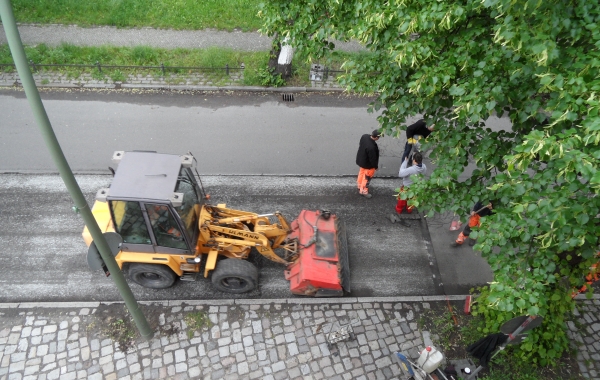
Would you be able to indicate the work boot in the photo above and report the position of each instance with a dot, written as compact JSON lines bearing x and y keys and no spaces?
{"x":461,"y":239}
{"x":472,"y":242}
{"x":367,"y":195}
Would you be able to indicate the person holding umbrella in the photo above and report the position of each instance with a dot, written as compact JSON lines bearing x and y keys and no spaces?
{"x":413,"y":133}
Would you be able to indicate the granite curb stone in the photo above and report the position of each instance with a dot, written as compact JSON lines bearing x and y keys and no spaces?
{"x":11,"y":84}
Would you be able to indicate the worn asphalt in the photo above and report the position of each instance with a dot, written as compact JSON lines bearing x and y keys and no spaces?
{"x":245,"y":339}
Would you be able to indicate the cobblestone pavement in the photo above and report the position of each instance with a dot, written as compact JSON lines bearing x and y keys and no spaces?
{"x":251,"y":339}
{"x":190,"y":81}
{"x":584,"y":332}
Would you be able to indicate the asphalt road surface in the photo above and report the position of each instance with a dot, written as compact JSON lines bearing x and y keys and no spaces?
{"x":230,"y":133}
{"x":43,"y":257}
{"x":257,"y":153}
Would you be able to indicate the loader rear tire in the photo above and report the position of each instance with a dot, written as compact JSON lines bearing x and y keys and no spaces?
{"x":154,"y":276}
{"x":235,"y":276}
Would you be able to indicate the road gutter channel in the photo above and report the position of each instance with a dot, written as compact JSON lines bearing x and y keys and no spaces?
{"x":433,"y":265}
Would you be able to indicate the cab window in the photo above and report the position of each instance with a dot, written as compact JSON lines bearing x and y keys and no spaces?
{"x":165,"y":228}
{"x":130,"y":222}
{"x":189,"y":209}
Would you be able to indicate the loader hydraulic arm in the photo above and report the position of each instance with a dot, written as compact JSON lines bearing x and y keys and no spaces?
{"x":249,"y":239}
{"x":235,"y":232}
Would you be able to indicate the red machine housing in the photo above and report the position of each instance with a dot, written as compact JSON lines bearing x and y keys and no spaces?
{"x":322,"y":268}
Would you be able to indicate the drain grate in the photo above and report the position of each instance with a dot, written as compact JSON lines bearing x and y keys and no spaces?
{"x":288,"y":97}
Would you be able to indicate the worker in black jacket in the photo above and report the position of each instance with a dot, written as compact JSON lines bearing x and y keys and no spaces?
{"x":417,"y":129}
{"x":367,"y":158}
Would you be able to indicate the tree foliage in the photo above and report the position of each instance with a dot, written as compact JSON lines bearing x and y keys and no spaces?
{"x":459,"y":62}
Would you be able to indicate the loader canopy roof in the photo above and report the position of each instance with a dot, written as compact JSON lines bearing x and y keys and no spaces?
{"x":145,"y":176}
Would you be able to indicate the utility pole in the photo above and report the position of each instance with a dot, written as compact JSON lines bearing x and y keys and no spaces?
{"x":35,"y":102}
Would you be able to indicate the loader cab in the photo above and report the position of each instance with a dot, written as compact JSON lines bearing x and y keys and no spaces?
{"x":154,"y":203}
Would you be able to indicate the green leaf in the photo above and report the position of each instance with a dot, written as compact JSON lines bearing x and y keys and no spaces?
{"x":558,"y":81}
{"x":546,"y":80}
{"x":456,"y":91}
{"x":533,"y":310}
{"x":582,"y":219}
{"x":519,"y":190}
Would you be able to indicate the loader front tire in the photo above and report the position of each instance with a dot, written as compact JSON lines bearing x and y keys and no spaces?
{"x":154,"y":276}
{"x":235,"y":276}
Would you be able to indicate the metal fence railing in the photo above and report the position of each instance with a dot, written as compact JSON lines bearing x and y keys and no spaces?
{"x":322,"y":73}
{"x":162,"y":68}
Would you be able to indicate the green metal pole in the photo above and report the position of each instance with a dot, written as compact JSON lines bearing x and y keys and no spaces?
{"x":35,"y":102}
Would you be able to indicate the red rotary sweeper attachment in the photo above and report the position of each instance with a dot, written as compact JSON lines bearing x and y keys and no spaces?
{"x":322,"y":268}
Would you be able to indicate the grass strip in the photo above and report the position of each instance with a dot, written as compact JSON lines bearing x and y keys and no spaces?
{"x":255,"y":72}
{"x":165,"y":14}
{"x":138,"y":56}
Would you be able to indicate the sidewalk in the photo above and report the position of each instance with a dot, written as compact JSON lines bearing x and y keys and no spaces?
{"x":252,"y":339}
{"x":54,"y":35}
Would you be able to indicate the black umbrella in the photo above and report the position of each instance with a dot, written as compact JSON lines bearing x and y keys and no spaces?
{"x":485,"y":348}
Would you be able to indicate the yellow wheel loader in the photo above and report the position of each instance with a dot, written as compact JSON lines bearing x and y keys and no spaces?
{"x":169,"y":231}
